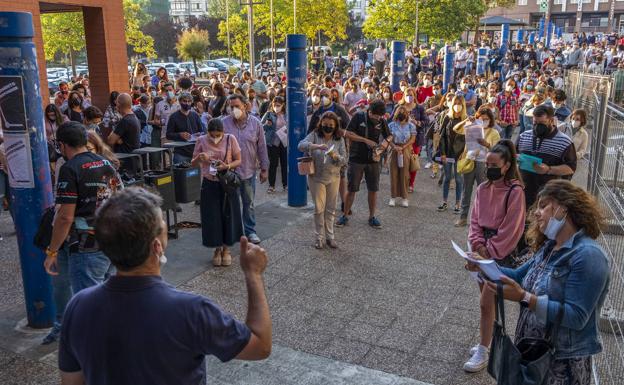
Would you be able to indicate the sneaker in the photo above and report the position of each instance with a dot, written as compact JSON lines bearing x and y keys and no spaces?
{"x":271,"y":190}
{"x":461,"y":222}
{"x":410,"y":189}
{"x":473,"y":349}
{"x":342,"y":221}
{"x":443,"y":207}
{"x":428,"y":165}
{"x":404,"y":203}
{"x":478,"y":361}
{"x":217,"y":257}
{"x":254,"y":238}
{"x":392,"y":202}
{"x":226,"y":259}
{"x":457,"y":210}
{"x":53,"y":336}
{"x":374,"y":223}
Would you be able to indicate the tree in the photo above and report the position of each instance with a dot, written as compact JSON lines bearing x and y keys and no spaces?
{"x":193,"y":45}
{"x":135,"y":18}
{"x":239,"y":35}
{"x":216,"y":8}
{"x":63,"y":33}
{"x":165,"y":34}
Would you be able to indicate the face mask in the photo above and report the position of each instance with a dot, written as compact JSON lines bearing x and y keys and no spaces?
{"x":386,"y":95}
{"x":154,"y":94}
{"x":215,"y":140}
{"x":576,"y":123}
{"x":170,"y":94}
{"x":482,"y":95}
{"x":403,"y":88}
{"x":492,"y":99}
{"x":409,"y":99}
{"x":277,"y":108}
{"x":315,"y":99}
{"x":327,"y":129}
{"x":237,"y":113}
{"x":371,"y":96}
{"x":554,"y":226}
{"x":557,"y":105}
{"x":541,"y":130}
{"x":529,"y":87}
{"x":426,"y":83}
{"x":437,"y":92}
{"x":493,"y":173}
{"x":486,"y":123}
{"x":449,"y":105}
{"x":185,"y":106}
{"x":457,"y":108}
{"x":326,"y":101}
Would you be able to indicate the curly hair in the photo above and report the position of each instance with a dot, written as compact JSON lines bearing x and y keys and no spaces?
{"x":582,"y":208}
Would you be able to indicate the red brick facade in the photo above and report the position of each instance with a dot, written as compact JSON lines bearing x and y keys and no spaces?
{"x":105,"y":37}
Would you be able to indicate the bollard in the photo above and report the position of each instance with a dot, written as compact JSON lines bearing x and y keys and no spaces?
{"x":296,"y":70}
{"x":448,"y":70}
{"x":521,"y":36}
{"x":481,"y":61}
{"x":27,"y":157}
{"x":397,"y":65}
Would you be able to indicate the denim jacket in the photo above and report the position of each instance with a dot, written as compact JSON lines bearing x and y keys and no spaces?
{"x":578,"y":275}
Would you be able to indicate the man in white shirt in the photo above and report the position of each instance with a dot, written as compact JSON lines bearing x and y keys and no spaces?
{"x":380,"y":56}
{"x":461,"y":57}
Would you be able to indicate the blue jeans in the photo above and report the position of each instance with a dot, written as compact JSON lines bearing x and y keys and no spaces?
{"x":450,"y":171}
{"x":429,"y":149}
{"x":61,"y":287}
{"x":248,"y":192}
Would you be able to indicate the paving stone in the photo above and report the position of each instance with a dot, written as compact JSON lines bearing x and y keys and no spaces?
{"x":387,"y":360}
{"x":364,"y":332}
{"x":346,"y":350}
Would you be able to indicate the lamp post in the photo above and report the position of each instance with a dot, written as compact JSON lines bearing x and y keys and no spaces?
{"x":416,"y":31}
{"x":227,"y":26}
{"x":250,"y":26}
{"x":294,"y":16}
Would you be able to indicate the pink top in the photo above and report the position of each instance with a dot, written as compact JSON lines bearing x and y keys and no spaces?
{"x":216,"y":152}
{"x":489,"y":212}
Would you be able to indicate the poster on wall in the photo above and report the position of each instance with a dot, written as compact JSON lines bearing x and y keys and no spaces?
{"x":19,"y":160}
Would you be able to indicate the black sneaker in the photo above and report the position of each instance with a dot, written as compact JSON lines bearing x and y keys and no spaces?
{"x":374,"y":223}
{"x":457,"y":210}
{"x":443,"y":207}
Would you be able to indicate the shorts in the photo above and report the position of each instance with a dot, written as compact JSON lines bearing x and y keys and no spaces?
{"x":343,"y":171}
{"x":370,"y":171}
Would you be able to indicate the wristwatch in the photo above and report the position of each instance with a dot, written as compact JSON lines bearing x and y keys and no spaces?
{"x":524,"y":302}
{"x":50,"y":253}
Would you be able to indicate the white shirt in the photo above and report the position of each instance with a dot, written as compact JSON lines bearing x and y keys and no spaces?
{"x":379,"y":54}
{"x":164,"y":110}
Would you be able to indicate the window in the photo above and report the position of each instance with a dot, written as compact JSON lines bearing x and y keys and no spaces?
{"x":522,"y":2}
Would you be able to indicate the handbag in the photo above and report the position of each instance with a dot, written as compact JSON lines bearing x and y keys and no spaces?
{"x":524,"y":363}
{"x":414,"y":164}
{"x":43,"y":237}
{"x":305,"y":165}
{"x":465,"y":165}
{"x":230,"y":180}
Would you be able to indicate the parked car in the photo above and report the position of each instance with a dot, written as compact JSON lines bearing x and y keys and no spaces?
{"x":205,"y":71}
{"x":281,"y":66}
{"x":234,"y":63}
{"x":221,"y":66}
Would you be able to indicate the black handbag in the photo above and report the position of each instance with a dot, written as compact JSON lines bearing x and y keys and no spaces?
{"x":524,"y":363}
{"x":44,"y":231}
{"x":230,"y":180}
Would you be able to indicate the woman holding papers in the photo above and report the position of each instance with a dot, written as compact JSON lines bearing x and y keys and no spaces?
{"x":451,"y":147}
{"x":569,"y":273}
{"x":481,"y":135}
{"x":496,"y":226}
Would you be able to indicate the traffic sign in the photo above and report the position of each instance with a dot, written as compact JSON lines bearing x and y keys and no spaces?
{"x":543,"y":5}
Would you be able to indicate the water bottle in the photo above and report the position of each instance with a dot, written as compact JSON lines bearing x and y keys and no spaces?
{"x":400,"y":159}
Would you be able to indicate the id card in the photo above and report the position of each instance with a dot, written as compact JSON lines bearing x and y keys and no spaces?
{"x":212,"y":170}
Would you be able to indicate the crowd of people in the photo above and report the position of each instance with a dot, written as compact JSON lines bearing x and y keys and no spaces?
{"x":506,"y":133}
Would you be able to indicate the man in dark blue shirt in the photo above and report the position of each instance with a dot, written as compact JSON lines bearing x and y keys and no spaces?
{"x":135,"y":328}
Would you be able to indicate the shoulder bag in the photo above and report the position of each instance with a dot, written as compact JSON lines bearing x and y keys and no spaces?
{"x":527,"y":362}
{"x":305,"y":164}
{"x":229,"y":179}
{"x":43,"y":237}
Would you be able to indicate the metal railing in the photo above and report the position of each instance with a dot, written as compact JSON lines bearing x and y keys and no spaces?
{"x":605,"y":180}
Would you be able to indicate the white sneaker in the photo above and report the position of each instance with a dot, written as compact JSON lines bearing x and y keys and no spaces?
{"x":428,"y":165}
{"x":478,"y":361}
{"x":473,"y":349}
{"x":404,"y":203}
{"x":392,"y":202}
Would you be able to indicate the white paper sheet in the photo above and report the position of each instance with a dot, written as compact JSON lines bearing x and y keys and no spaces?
{"x":487,"y":266}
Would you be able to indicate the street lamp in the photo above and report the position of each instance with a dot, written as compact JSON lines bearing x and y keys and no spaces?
{"x":250,"y":26}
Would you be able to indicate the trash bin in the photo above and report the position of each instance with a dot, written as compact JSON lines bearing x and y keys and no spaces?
{"x":162,"y":182}
{"x":187,"y":183}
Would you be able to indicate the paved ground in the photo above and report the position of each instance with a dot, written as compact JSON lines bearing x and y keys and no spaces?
{"x":395,"y":300}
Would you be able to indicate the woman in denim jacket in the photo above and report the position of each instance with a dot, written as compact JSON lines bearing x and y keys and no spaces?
{"x":569,"y":269}
{"x":273,"y":121}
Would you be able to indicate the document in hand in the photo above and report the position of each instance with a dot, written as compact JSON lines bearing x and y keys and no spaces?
{"x":525,"y":162}
{"x":487,"y":266}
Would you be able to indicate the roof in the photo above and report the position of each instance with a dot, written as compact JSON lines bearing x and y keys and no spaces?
{"x":499,"y":20}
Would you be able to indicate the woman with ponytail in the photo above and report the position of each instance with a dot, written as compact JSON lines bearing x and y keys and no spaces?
{"x":496,"y":226}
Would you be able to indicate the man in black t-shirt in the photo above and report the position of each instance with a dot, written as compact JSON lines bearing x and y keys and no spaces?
{"x":367,"y":126}
{"x":85,"y":181}
{"x":181,"y":127}
{"x":126,"y":136}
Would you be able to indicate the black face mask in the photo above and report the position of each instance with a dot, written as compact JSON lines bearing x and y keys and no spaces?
{"x":327,"y":129}
{"x":541,"y":130}
{"x":493,"y":173}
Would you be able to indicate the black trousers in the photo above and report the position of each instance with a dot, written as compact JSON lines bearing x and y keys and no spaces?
{"x":278,"y":154}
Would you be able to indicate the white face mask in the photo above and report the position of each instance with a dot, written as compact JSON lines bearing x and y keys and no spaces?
{"x":386,"y":95}
{"x":215,"y":140}
{"x":509,"y":88}
{"x":457,"y":108}
{"x":427,"y":83}
{"x":492,"y":99}
{"x":409,"y":99}
{"x":326,"y":101}
{"x":237,"y":113}
{"x":576,"y":123}
{"x":554,"y":226}
{"x":486,"y":123}
{"x":315,"y":99}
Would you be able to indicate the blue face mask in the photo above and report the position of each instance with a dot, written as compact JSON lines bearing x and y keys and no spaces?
{"x":554,"y":226}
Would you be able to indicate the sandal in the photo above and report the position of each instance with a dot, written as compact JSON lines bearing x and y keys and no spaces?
{"x":271,"y":190}
{"x":319,"y":244}
{"x":226,"y":258}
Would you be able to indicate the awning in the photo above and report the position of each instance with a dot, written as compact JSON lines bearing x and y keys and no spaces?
{"x":500,"y":20}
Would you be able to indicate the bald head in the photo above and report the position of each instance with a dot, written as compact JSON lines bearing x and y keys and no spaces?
{"x":124,"y":102}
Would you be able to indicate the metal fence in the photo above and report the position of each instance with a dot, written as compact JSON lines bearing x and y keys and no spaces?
{"x":605,"y":180}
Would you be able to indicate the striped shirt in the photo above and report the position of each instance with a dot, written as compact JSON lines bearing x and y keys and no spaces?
{"x":555,"y":149}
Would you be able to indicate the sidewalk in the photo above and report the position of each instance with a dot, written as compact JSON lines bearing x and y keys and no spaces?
{"x":396,"y":300}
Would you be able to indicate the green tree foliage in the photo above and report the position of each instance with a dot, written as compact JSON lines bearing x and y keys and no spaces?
{"x":62,"y":33}
{"x":329,"y":17}
{"x":135,"y":18}
{"x":193,"y":45}
{"x":165,"y":34}
{"x":239,"y":35}
{"x":216,"y":8}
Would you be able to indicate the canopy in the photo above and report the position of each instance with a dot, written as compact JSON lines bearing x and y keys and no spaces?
{"x":500,"y":20}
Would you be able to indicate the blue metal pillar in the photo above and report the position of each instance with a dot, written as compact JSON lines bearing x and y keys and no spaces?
{"x":27,"y":157}
{"x":549,"y":33}
{"x":448,"y":70}
{"x":532,"y":38}
{"x":520,"y":36}
{"x":504,"y":43}
{"x":558,"y":32}
{"x":540,"y":34}
{"x":397,"y":65}
{"x":296,"y":77}
{"x":481,"y":61}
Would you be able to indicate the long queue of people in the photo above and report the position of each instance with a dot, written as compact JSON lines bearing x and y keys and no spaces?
{"x":510,"y":133}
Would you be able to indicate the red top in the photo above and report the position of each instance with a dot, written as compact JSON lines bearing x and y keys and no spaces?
{"x":422,"y":93}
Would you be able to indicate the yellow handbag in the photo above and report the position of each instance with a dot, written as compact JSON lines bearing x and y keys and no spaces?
{"x":464,"y":164}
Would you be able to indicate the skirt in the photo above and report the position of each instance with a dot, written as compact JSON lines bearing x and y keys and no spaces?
{"x":221,"y":219}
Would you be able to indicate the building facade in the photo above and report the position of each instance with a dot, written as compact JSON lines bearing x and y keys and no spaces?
{"x":181,"y":11}
{"x":158,"y":8}
{"x":596,"y":16}
{"x":358,"y":11}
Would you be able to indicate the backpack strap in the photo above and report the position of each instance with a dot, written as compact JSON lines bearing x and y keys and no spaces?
{"x":508,"y":194}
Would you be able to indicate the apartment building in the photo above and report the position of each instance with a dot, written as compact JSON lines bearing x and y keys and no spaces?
{"x":571,"y":15}
{"x":181,"y":10}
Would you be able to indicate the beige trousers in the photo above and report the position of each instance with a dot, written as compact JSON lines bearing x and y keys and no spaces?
{"x":399,"y":176}
{"x":324,"y":194}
